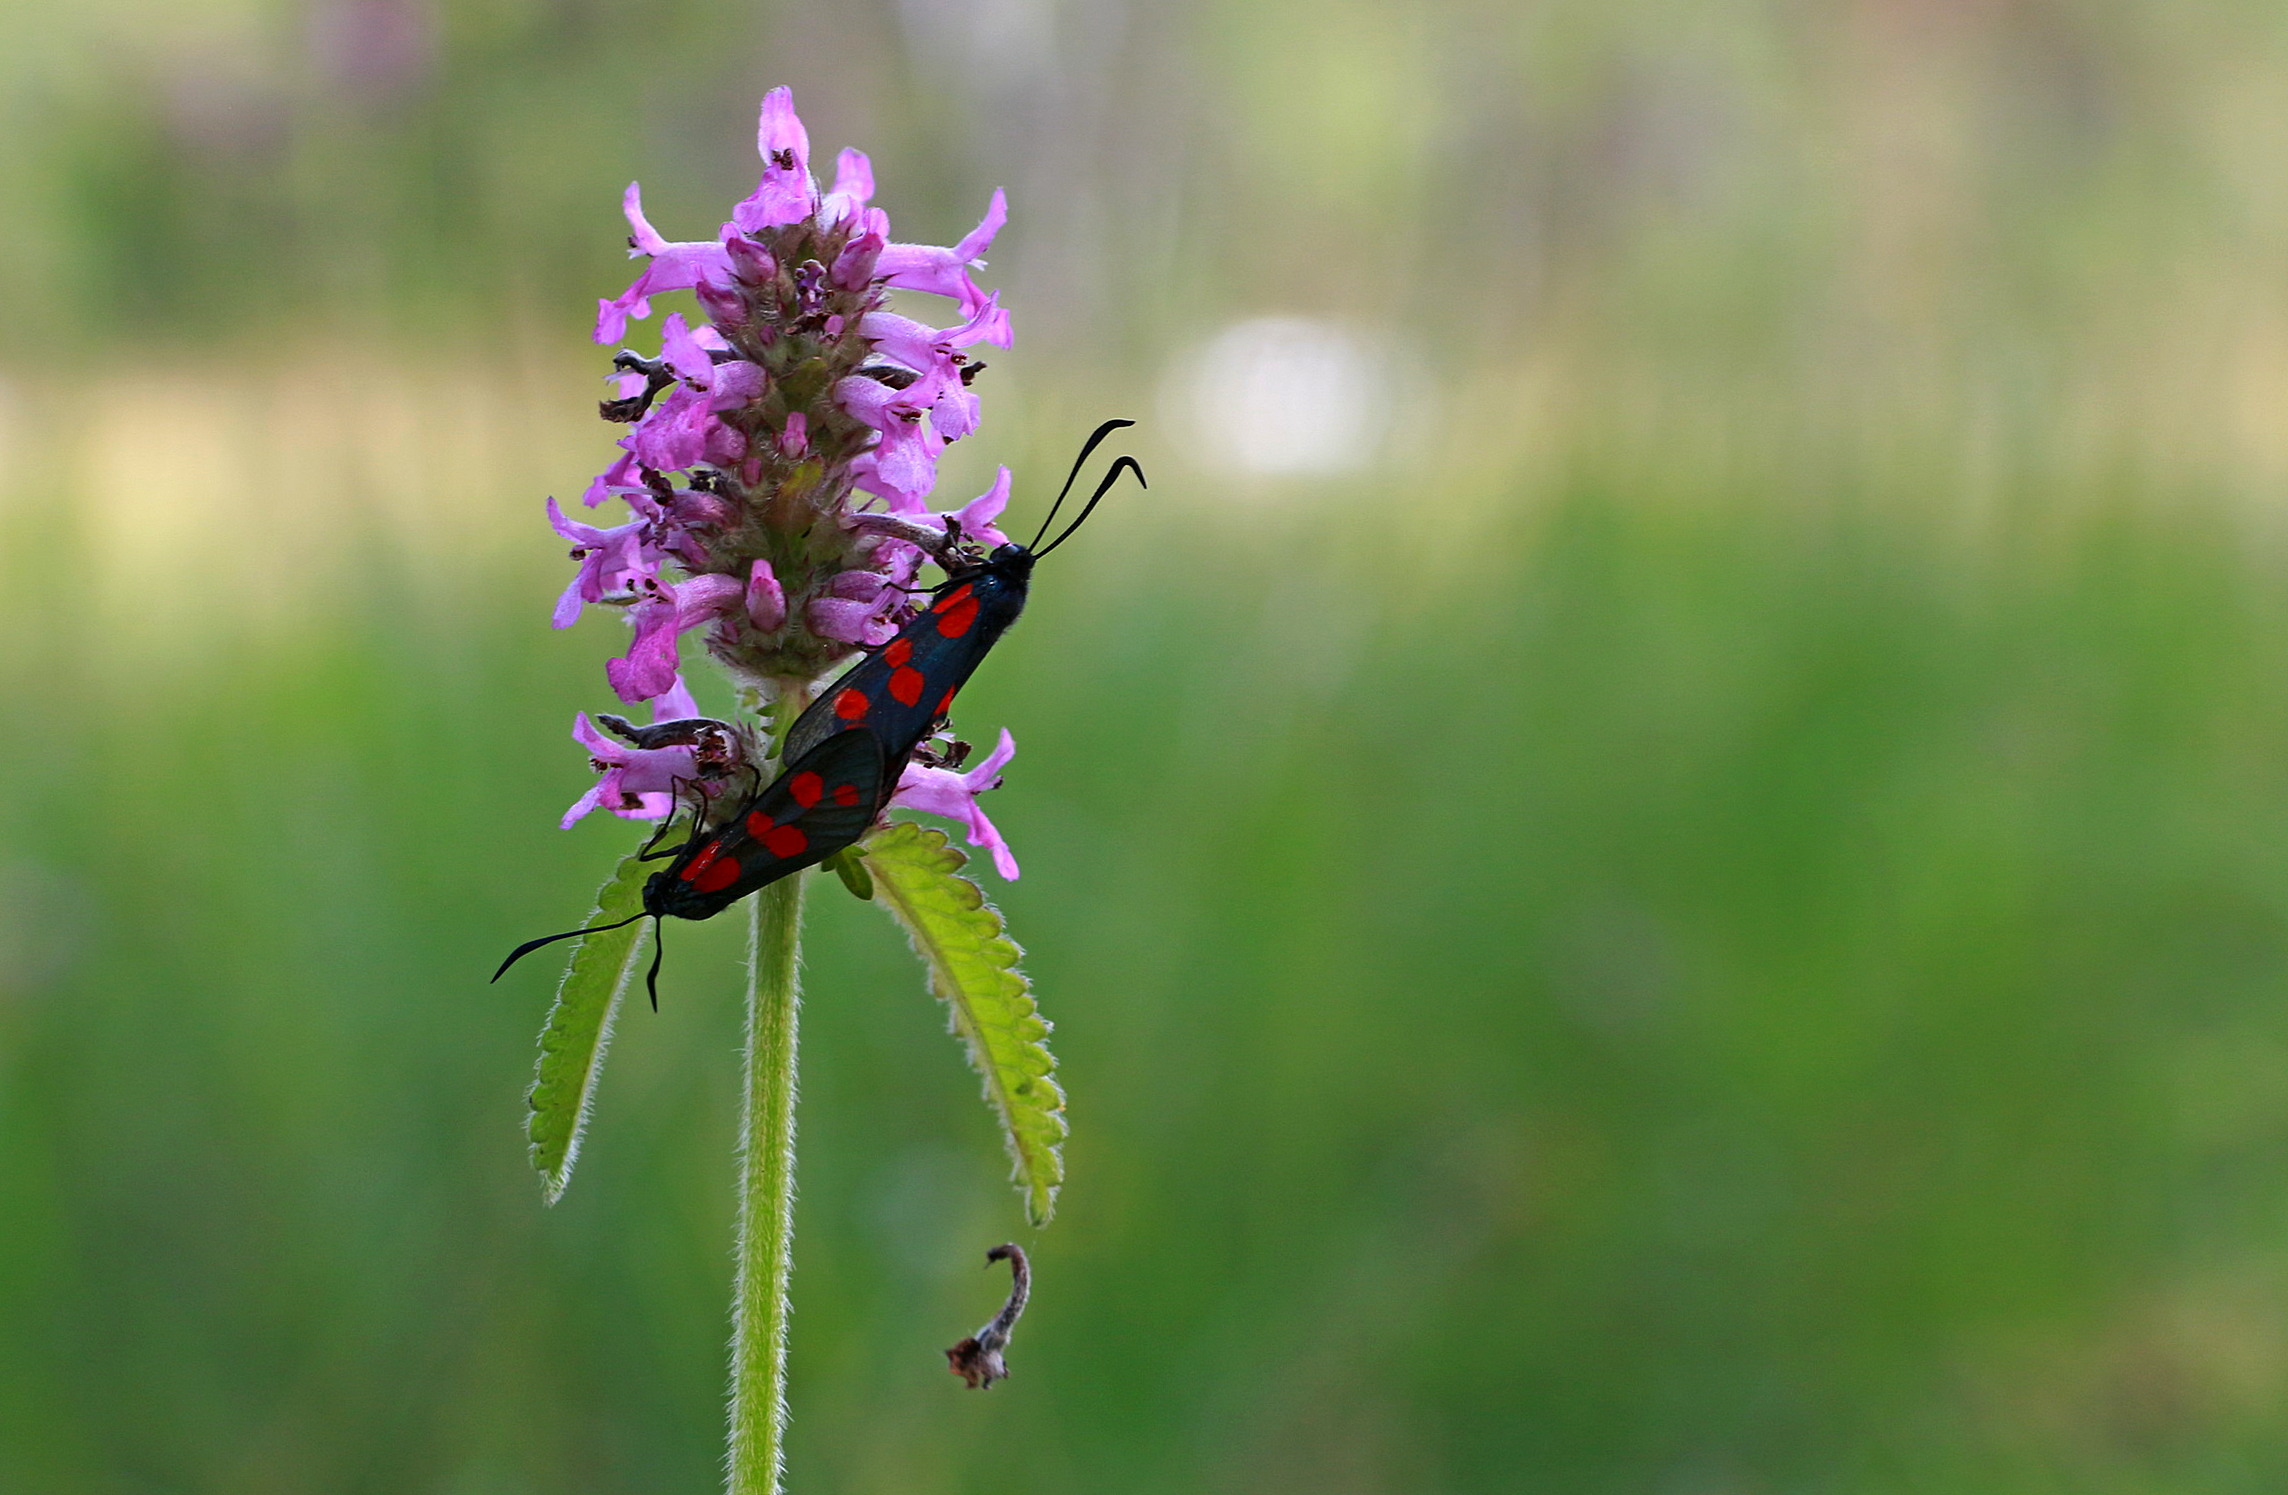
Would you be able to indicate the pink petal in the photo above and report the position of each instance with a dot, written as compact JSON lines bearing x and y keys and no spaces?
{"x":581,"y":806}
{"x":849,"y":622}
{"x":682,"y":351}
{"x":609,"y":749}
{"x":572,"y":529}
{"x":643,"y":239}
{"x":704,"y":597}
{"x":567,"y":610}
{"x":785,"y":194}
{"x":620,"y":477}
{"x":980,"y":238}
{"x":766,"y":599}
{"x":738,"y":383}
{"x":853,"y":187}
{"x":779,"y":128}
{"x":650,"y":666}
{"x":676,"y":704}
{"x":987,"y":774}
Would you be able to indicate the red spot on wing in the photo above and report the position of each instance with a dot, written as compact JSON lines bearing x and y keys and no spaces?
{"x":945,"y":702}
{"x":906,"y":684}
{"x":955,"y":621}
{"x":785,"y":841}
{"x":758,"y":824}
{"x":806,"y":786}
{"x":700,"y":863}
{"x":901,"y":649}
{"x":719,"y":873}
{"x":846,"y":794}
{"x":851,"y":704}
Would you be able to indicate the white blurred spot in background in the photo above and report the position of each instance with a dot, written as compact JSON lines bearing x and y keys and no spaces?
{"x":1284,"y":397}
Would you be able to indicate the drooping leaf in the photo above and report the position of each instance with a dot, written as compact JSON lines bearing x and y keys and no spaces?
{"x":580,"y":1029}
{"x":852,"y":871}
{"x":973,"y":969}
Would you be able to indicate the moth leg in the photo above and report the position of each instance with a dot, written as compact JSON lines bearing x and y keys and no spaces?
{"x":698,"y":819}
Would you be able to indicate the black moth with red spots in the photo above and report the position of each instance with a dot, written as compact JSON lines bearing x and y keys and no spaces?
{"x":900,"y":692}
{"x":845,"y":754}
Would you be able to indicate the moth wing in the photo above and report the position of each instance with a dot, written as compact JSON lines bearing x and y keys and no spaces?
{"x":823,"y":802}
{"x":830,"y":793}
{"x":820,"y":722}
{"x":898,"y":692}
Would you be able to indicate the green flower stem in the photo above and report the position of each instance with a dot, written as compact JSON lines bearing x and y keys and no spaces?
{"x":766,"y":1193}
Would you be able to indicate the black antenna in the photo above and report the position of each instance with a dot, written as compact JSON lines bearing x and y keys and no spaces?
{"x":675,"y":788}
{"x":1095,"y":440}
{"x":1125,"y":464}
{"x":521,"y":951}
{"x":658,"y":953}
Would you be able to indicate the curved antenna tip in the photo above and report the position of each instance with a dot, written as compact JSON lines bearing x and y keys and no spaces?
{"x":1096,"y":439}
{"x":521,"y":951}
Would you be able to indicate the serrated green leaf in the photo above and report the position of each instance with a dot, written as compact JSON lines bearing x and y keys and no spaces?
{"x":580,"y":1029}
{"x":973,"y":970}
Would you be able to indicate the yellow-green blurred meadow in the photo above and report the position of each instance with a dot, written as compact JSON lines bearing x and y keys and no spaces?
{"x":1660,"y":855}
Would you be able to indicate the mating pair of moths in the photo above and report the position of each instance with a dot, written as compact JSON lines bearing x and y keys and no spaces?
{"x":844,"y":755}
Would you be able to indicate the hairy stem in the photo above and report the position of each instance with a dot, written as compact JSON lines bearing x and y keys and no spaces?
{"x":757,"y":1458}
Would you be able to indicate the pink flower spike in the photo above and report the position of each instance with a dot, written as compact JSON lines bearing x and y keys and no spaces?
{"x":790,"y":415}
{"x":941,"y":791}
{"x":766,"y":599}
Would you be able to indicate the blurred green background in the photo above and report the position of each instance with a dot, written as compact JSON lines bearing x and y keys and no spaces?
{"x":1661,"y":854}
